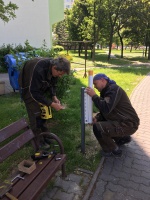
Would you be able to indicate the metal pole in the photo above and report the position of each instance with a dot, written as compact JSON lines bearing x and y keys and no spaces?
{"x":85,"y":57}
{"x":82,"y":122}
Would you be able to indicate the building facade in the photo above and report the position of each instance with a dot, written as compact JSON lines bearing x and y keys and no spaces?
{"x":33,"y":22}
{"x":68,"y":3}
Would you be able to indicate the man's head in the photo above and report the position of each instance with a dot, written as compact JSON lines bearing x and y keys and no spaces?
{"x":60,"y":67}
{"x":100,"y":81}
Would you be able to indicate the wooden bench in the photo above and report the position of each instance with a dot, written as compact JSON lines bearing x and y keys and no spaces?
{"x":15,"y":136}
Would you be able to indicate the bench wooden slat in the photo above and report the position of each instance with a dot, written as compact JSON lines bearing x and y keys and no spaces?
{"x":34,"y":183}
{"x":12,"y":129}
{"x":21,"y":185}
{"x":15,"y":144}
{"x":36,"y":187}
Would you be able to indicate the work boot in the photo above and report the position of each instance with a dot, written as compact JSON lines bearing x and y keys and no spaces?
{"x":117,"y":153}
{"x":48,"y":140}
{"x":123,"y":140}
{"x":44,"y":146}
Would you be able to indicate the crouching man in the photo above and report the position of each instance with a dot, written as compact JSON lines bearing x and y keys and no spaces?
{"x":116,"y":120}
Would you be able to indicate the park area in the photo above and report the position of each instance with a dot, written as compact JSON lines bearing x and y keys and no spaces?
{"x":127,"y":72}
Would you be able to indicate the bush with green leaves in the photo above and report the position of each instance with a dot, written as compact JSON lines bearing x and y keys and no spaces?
{"x":29,"y":51}
{"x":67,"y":56}
{"x":58,"y":48}
{"x":4,"y":50}
{"x":64,"y":83}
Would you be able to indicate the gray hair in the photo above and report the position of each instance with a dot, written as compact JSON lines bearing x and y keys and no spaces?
{"x":62,"y":64}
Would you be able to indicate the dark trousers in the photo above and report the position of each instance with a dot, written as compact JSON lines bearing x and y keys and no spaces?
{"x":105,"y":131}
{"x":37,"y":124}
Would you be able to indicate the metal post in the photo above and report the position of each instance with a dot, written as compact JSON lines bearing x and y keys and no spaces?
{"x":82,"y":122}
{"x":85,"y":57}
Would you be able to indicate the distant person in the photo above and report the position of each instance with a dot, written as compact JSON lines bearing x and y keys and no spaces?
{"x":38,"y":77}
{"x":116,"y":120}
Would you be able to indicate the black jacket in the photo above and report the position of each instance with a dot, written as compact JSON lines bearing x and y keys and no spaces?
{"x":35,"y":79}
{"x":114,"y":105}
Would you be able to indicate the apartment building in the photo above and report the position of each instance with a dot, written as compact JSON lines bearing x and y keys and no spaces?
{"x":68,"y":3}
{"x":33,"y":22}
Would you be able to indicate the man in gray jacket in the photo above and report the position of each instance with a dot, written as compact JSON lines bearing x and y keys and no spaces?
{"x":38,"y":77}
{"x":116,"y":120}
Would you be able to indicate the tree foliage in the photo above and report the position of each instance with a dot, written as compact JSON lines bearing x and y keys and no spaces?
{"x":103,"y":20}
{"x":60,"y":32}
{"x":7,"y":11}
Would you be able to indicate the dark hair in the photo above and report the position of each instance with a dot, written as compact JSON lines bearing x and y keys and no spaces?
{"x":62,"y":64}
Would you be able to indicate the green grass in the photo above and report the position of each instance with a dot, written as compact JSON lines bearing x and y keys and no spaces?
{"x":66,"y":123}
{"x":101,"y":58}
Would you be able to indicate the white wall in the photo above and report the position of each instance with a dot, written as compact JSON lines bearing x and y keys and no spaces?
{"x":31,"y":23}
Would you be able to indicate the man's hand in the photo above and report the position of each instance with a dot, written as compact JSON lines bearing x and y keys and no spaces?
{"x":90,"y":91}
{"x":57,"y":106}
{"x":55,"y":99}
{"x":94,"y":120}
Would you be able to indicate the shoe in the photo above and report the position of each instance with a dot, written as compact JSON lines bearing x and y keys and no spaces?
{"x":123,"y":140}
{"x":48,"y":140}
{"x":106,"y":154}
{"x":116,"y":153}
{"x":44,"y":146}
{"x":40,"y":155}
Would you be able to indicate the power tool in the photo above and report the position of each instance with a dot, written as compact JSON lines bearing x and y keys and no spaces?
{"x":46,"y":112}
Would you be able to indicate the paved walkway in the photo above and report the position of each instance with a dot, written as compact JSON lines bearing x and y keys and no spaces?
{"x":4,"y":77}
{"x":127,"y":178}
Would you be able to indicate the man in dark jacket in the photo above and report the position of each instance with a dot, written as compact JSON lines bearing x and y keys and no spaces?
{"x":116,"y":120}
{"x":38,"y":77}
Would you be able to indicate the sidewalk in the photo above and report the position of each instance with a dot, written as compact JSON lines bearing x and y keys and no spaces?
{"x":127,"y":178}
{"x":4,"y":77}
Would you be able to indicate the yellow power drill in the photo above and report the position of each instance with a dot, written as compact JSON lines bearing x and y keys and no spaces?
{"x":46,"y":112}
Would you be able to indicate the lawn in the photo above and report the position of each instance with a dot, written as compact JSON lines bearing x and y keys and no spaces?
{"x":67,"y":123}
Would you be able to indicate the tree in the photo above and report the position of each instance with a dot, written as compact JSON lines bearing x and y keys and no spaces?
{"x":85,"y":20}
{"x":7,"y":11}
{"x":128,"y":15}
{"x":100,"y":20}
{"x":135,"y":31}
{"x":146,"y":8}
{"x":60,"y":31}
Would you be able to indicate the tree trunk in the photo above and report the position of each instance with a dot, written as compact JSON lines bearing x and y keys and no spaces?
{"x":149,"y":52}
{"x":110,"y":45}
{"x":131,"y":48}
{"x":121,"y":41}
{"x":93,"y":53}
{"x":146,"y":51}
{"x":79,"y":49}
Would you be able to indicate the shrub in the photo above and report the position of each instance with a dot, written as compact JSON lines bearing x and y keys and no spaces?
{"x":58,"y":48}
{"x":4,"y":49}
{"x":46,"y":53}
{"x":63,"y":85}
{"x":67,"y":56}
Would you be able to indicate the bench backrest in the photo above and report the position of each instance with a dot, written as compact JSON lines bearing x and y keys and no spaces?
{"x":26,"y":135}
